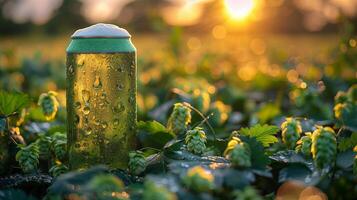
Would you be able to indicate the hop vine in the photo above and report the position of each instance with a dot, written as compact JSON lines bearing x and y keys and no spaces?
{"x":199,"y":179}
{"x":49,"y":104}
{"x":179,"y":119}
{"x":58,"y":168}
{"x":304,"y":144}
{"x":291,"y":130}
{"x":238,"y":153}
{"x":137,"y":162}
{"x":324,"y":146}
{"x":28,"y":157}
{"x":196,"y":140}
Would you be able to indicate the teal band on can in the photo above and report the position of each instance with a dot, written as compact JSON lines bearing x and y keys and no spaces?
{"x":100,"y":45}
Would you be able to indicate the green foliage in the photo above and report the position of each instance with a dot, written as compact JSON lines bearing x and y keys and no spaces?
{"x":262,"y":133}
{"x":156,"y":192}
{"x":348,"y":142}
{"x":137,"y":162}
{"x":153,"y":134}
{"x":220,"y":113}
{"x":196,"y":140}
{"x":291,"y":130}
{"x":267,"y":112}
{"x":12,"y":102}
{"x":201,"y":100}
{"x":28,"y":157}
{"x":49,"y":104}
{"x":240,"y":155}
{"x":106,"y":187}
{"x":15,"y":194}
{"x":355,"y":161}
{"x":179,"y":119}
{"x":346,"y":108}
{"x":44,"y":144}
{"x":199,"y":179}
{"x":248,"y":193}
{"x":324,"y":147}
{"x":59,"y":145}
{"x":304,"y":144}
{"x":58,"y":168}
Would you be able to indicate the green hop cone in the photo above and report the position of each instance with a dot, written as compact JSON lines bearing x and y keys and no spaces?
{"x":248,"y":193}
{"x":49,"y":104}
{"x":304,"y":144}
{"x":240,"y":155}
{"x":106,"y":187}
{"x":179,"y":119}
{"x":44,"y":143}
{"x":355,"y":162}
{"x":155,"y":192}
{"x":201,"y":100}
{"x":137,"y":162}
{"x":341,"y":97}
{"x":28,"y":157}
{"x":199,"y":179}
{"x":59,"y":145}
{"x":323,"y":147}
{"x":339,"y":109}
{"x":352,"y":93}
{"x":220,"y":113}
{"x":291,"y":130}
{"x":58,"y":168}
{"x":196,"y":140}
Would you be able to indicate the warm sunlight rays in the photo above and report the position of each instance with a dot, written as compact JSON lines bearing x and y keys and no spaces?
{"x":239,"y":9}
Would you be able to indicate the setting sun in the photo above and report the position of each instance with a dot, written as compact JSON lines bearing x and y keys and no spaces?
{"x":239,"y":9}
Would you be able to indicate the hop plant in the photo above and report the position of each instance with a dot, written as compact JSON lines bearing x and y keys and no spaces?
{"x":220,"y":113}
{"x":179,"y":119}
{"x":352,"y":93}
{"x":44,"y":144}
{"x":201,"y":100}
{"x":49,"y":104}
{"x":248,"y":193}
{"x":59,"y":145}
{"x":28,"y":157}
{"x":291,"y":130}
{"x":58,"y":168}
{"x":304,"y":144}
{"x":155,"y":192}
{"x":339,"y":109}
{"x":341,"y":97}
{"x":324,"y":146}
{"x":199,"y":179}
{"x":196,"y":140}
{"x":137,"y":162}
{"x":106,"y":187}
{"x":240,"y":155}
{"x":231,"y":144}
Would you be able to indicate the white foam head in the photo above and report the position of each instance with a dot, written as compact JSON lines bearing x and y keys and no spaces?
{"x":101,"y":31}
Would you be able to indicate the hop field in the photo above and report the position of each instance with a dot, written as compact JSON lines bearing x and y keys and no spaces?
{"x":240,"y":117}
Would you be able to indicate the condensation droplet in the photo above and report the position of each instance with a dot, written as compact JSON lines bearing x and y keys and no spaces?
{"x":70,"y":69}
{"x":80,"y":61}
{"x":86,"y":109}
{"x":120,"y":86}
{"x":118,"y":108}
{"x":131,"y":99}
{"x":97,"y":83}
{"x":77,"y":105}
{"x":116,"y":122}
{"x":76,"y":119}
{"x":103,"y":96}
{"x":87,"y":130}
{"x":85,"y":95}
{"x":97,"y":122}
{"x":104,"y":125}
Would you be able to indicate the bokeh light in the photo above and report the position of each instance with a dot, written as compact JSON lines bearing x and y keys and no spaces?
{"x":239,"y":9}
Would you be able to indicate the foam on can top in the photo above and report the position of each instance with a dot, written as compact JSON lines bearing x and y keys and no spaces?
{"x":101,"y":31}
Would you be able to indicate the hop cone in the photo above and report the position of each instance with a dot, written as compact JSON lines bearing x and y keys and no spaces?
{"x":352,"y":93}
{"x":28,"y":157}
{"x":59,"y":145}
{"x":58,"y":168}
{"x":199,"y":179}
{"x":49,"y":104}
{"x":44,"y":144}
{"x":154,"y":192}
{"x":220,"y":113}
{"x":231,"y":144}
{"x":240,"y":155}
{"x":304,"y":144}
{"x":291,"y":130}
{"x":196,"y":140}
{"x":248,"y":193}
{"x":341,"y":97}
{"x":201,"y":100}
{"x":137,"y":162}
{"x":179,"y":119}
{"x":323,"y":147}
{"x":339,"y":108}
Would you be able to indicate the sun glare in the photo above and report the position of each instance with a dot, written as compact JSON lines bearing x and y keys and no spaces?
{"x":239,"y":9}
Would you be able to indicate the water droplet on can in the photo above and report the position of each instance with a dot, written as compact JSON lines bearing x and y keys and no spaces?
{"x":97,"y":83}
{"x":116,"y":122}
{"x":118,"y":108}
{"x":120,"y":86}
{"x":86,"y":110}
{"x":85,"y":95}
{"x":87,"y":130}
{"x":104,"y":125}
{"x":77,"y":105}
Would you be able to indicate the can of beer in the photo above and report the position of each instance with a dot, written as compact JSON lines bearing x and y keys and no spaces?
{"x":101,"y":97}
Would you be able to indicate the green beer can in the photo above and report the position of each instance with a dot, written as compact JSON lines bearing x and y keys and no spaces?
{"x":101,"y":97}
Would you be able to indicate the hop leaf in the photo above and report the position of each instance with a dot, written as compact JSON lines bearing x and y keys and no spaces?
{"x":155,"y":192}
{"x":291,"y":130}
{"x":58,"y":168}
{"x":28,"y":157}
{"x":264,"y":134}
{"x":59,"y":145}
{"x":137,"y":162}
{"x":49,"y":104}
{"x":304,"y":144}
{"x":196,"y":140}
{"x":323,"y":147}
{"x":12,"y":102}
{"x":199,"y":179}
{"x":179,"y":119}
{"x":44,"y":144}
{"x":240,"y":155}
